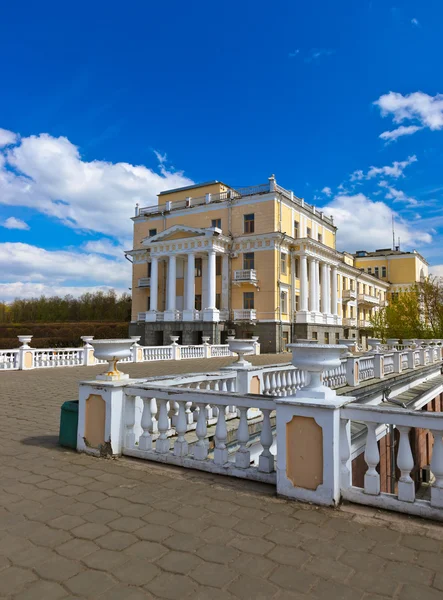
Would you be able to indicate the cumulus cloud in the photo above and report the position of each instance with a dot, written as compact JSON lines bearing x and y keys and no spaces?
{"x":415,"y":22}
{"x":392,"y":136}
{"x":327,"y":191}
{"x":7,"y":138}
{"x":13,"y":223}
{"x":49,"y":175}
{"x":398,"y":195}
{"x":366,"y":224}
{"x":395,"y":170}
{"x":106,"y":247}
{"x":425,"y":110}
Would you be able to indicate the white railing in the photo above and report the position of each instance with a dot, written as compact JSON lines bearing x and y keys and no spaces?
{"x":250,"y":190}
{"x":9,"y":360}
{"x":157,"y":353}
{"x":368,"y":299}
{"x":365,"y":324}
{"x":336,"y":378}
{"x":220,"y":350}
{"x":349,"y":294}
{"x":63,"y":357}
{"x":246,"y":314}
{"x":388,"y":364}
{"x":404,"y":361}
{"x":404,"y":499}
{"x":245,"y":275}
{"x":282,"y":380}
{"x":350,"y":322}
{"x":173,"y":410}
{"x":366,"y":368}
{"x":192,"y":352}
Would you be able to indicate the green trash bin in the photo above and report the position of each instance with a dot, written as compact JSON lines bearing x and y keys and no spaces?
{"x":69,"y":424}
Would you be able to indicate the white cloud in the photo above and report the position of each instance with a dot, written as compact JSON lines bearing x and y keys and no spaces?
{"x":49,"y":175}
{"x":418,"y":106}
{"x":31,"y":264}
{"x":415,"y":22}
{"x":294,"y":53}
{"x":20,"y":289}
{"x":316,"y":53}
{"x":391,"y":136}
{"x":364,"y":224}
{"x":397,"y":195}
{"x":106,"y":247}
{"x":327,"y":191}
{"x":13,"y":223}
{"x":7,"y":138}
{"x":395,"y":170}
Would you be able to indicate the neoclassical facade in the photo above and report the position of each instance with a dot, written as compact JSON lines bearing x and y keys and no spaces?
{"x":217,"y":261}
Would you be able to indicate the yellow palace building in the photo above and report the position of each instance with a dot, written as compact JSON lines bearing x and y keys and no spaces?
{"x":213,"y":260}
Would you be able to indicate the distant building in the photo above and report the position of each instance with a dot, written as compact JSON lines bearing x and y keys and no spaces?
{"x":210,"y":259}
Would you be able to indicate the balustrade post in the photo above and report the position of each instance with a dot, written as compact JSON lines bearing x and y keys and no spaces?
{"x":88,"y":350}
{"x":162,"y":444}
{"x":352,"y":371}
{"x":345,"y":454}
{"x":405,"y":462}
{"x":266,"y":458}
{"x":243,"y":456}
{"x":26,"y":359}
{"x":397,"y":362}
{"x":437,"y":470}
{"x":411,"y":359}
{"x":206,"y":347}
{"x":201,"y":448}
{"x":130,"y":422}
{"x":145,"y":440}
{"x":372,"y":458}
{"x":181,"y":445}
{"x":221,"y":434}
{"x":379,"y":366}
{"x":176,"y":350}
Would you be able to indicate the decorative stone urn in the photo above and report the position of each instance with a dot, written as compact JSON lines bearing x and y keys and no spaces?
{"x":87,"y":339}
{"x":174,"y":339}
{"x":316,"y":359}
{"x":136,"y":338}
{"x":392,"y":342}
{"x":25,"y":340}
{"x":374,"y":345}
{"x":112,"y":351}
{"x":241,"y":347}
{"x":410,"y":343}
{"x":206,"y":339}
{"x":349,"y":344}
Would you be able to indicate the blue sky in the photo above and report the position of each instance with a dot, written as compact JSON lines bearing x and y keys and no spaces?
{"x":104,"y":105}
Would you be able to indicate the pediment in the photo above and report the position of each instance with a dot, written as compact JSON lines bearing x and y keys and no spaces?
{"x":179,"y":232}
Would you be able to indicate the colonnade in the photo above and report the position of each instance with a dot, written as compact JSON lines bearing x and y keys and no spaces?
{"x":314,"y":298}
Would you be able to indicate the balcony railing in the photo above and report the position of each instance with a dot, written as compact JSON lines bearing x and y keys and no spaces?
{"x":350,"y":322}
{"x":245,"y":314}
{"x":368,"y":299}
{"x":365,"y":324}
{"x":144,"y":282}
{"x":245,"y":276}
{"x":349,"y":295}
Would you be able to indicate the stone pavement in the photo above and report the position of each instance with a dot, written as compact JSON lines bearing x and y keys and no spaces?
{"x":74,"y":526}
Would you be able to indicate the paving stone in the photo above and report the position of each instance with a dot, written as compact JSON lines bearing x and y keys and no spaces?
{"x":409,"y":573}
{"x":136,"y":572}
{"x":397,"y":553}
{"x":58,"y":569}
{"x":218,"y":553}
{"x":66,"y":522}
{"x":14,"y":579}
{"x":252,"y":545}
{"x":251,"y":564}
{"x":102,"y":516}
{"x":77,"y":548}
{"x":128,"y":524}
{"x":430,"y":560}
{"x":42,"y":590}
{"x":418,"y":542}
{"x":292,"y":579}
{"x":255,"y":528}
{"x":363,"y":562}
{"x":286,"y":555}
{"x":49,"y":537}
{"x":218,"y":534}
{"x":90,"y":531}
{"x":90,"y":583}
{"x":172,"y":586}
{"x":419,"y":592}
{"x":329,"y":590}
{"x":116,"y":540}
{"x":246,"y":587}
{"x":144,"y":549}
{"x":154,"y":533}
{"x":179,"y":562}
{"x":374,"y":583}
{"x":180,"y":541}
{"x":125,"y":592}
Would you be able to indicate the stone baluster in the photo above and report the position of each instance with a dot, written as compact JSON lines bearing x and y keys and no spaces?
{"x":200,"y":448}
{"x":243,"y":456}
{"x":145,"y":440}
{"x":153,"y":410}
{"x":221,"y":434}
{"x":267,"y":384}
{"x":278,"y":383}
{"x":266,"y":459}
{"x":162,"y":444}
{"x":189,"y":415}
{"x":273,"y":385}
{"x":372,"y":458}
{"x":345,"y":453}
{"x":181,"y":445}
{"x":130,"y":422}
{"x":405,"y":462}
{"x":283,"y":384}
{"x":437,"y":470}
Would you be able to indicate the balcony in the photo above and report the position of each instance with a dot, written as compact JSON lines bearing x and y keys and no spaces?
{"x":144,"y":282}
{"x":245,"y":276}
{"x":349,"y":295}
{"x":245,"y":314}
{"x":365,"y":324}
{"x":350,"y":322}
{"x":368,"y":300}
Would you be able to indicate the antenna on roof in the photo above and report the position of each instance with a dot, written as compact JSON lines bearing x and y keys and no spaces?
{"x":393,"y":232}
{"x":398,"y":245}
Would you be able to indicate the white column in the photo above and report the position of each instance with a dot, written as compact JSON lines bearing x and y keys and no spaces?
{"x":328,"y":291}
{"x":312,"y":285}
{"x":317,"y":286}
{"x":189,"y":308}
{"x":334,"y":291}
{"x":170,"y":314}
{"x":154,"y":283}
{"x":303,"y":283}
{"x":225,"y":282}
{"x":211,"y":313}
{"x":324,"y":288}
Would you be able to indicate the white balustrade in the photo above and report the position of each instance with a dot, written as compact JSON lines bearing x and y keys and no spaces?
{"x":335,"y":378}
{"x":366,"y":368}
{"x":220,"y":350}
{"x":192,"y":352}
{"x":9,"y":360}
{"x":63,"y":357}
{"x":157,"y":353}
{"x":388,"y":364}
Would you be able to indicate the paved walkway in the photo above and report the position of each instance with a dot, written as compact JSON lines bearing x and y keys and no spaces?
{"x":74,"y":526}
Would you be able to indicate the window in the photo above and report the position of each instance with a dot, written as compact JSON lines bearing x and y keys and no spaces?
{"x":297,"y":268}
{"x":369,"y":270}
{"x":283,"y":263}
{"x":198,"y":302}
{"x":337,"y":337}
{"x":218,"y":265}
{"x":308,"y":232}
{"x":249,"y":223}
{"x":218,"y":301}
{"x":248,"y":260}
{"x":376,"y":271}
{"x":248,"y":300}
{"x":198,"y":267}
{"x":351,"y":312}
{"x":216,"y":223}
{"x":314,"y":335}
{"x":149,"y":269}
{"x":326,"y":337}
{"x":344,"y":279}
{"x":394,"y":296}
{"x":297,"y":302}
{"x":296,"y":229}
{"x":383,"y":271}
{"x":320,"y":238}
{"x":148,"y":303}
{"x":284,"y":302}
{"x":152,"y":232}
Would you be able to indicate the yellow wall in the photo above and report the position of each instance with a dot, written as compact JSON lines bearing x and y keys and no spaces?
{"x":404,"y":270}
{"x":196,"y":192}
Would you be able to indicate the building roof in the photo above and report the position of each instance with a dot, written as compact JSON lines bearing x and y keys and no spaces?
{"x":192,"y":187}
{"x":387,"y":252}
